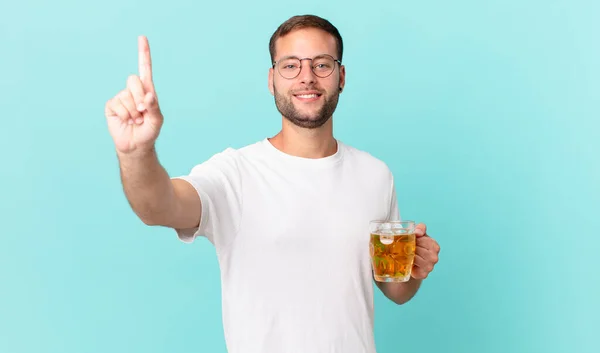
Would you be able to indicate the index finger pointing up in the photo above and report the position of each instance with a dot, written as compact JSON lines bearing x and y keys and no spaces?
{"x":145,"y":63}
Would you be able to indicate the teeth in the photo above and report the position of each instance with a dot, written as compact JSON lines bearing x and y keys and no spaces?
{"x":307,"y":96}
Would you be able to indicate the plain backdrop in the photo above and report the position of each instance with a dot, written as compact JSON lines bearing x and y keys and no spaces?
{"x":486,"y":111}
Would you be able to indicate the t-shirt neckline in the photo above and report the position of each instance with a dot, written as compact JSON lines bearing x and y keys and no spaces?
{"x":303,"y":161}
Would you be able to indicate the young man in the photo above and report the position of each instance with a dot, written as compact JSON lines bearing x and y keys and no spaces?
{"x":288,"y":215}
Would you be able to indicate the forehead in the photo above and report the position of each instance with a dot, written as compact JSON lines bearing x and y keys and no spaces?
{"x":306,"y":42}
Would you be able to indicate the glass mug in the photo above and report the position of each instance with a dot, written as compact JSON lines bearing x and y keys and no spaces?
{"x":392,"y":248}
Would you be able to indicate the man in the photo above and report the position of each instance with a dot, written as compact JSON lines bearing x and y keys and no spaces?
{"x":288,"y":215}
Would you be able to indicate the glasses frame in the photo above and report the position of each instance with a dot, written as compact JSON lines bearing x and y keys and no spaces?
{"x":300,"y":69}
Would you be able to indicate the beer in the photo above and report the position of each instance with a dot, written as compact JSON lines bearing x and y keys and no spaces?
{"x":392,"y":255}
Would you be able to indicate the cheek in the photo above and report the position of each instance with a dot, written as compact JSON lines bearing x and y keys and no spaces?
{"x":280,"y":87}
{"x":332,"y":86}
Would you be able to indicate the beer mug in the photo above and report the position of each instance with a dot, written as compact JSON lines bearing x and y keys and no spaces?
{"x":392,"y":248}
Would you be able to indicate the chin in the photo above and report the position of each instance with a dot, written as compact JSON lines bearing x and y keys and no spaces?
{"x":306,"y":115}
{"x":308,"y":122}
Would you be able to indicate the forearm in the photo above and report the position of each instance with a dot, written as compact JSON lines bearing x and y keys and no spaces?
{"x":401,"y":292}
{"x":147,"y":186}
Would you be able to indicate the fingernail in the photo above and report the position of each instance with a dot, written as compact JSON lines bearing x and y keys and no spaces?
{"x":141,"y":107}
{"x":139,"y":120}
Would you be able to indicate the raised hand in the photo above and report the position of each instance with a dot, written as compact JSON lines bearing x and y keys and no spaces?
{"x":133,"y":115}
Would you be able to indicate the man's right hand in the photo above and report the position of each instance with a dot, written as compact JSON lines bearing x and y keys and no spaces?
{"x":133,"y":115}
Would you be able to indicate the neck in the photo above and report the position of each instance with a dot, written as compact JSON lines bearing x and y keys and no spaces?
{"x":306,"y":143}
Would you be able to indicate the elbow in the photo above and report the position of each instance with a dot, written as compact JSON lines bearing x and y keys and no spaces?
{"x":400,"y":301}
{"x":150,"y":219}
{"x":399,"y":297}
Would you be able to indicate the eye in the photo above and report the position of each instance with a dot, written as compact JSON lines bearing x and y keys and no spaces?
{"x":323,"y":64}
{"x":289,"y":64}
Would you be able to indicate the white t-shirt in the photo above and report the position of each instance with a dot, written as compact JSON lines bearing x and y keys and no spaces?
{"x":292,"y":241}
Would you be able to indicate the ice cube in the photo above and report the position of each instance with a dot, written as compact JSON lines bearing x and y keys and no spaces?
{"x":386,"y":235}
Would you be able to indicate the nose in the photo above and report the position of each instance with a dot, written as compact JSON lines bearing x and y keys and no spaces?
{"x":307,"y":76}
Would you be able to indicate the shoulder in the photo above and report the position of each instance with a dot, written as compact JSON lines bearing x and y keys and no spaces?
{"x":365,"y":160}
{"x":236,"y":153}
{"x":230,"y":157}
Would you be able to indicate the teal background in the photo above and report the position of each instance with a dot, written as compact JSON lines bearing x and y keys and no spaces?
{"x":486,"y":111}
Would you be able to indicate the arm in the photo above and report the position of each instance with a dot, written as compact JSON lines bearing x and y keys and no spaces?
{"x":153,"y":196}
{"x":134,"y":120}
{"x":426,"y":256}
{"x":400,"y":293}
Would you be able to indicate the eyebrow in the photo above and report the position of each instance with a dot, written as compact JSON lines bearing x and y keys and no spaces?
{"x":297,"y":57}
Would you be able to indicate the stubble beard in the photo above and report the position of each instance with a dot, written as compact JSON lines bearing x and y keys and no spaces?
{"x":308,"y":121}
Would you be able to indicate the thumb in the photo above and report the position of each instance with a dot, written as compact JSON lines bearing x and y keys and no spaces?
{"x":420,"y":230}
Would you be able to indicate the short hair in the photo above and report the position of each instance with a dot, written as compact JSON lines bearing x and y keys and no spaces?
{"x":306,"y":21}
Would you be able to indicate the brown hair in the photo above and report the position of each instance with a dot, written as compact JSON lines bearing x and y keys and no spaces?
{"x":306,"y":21}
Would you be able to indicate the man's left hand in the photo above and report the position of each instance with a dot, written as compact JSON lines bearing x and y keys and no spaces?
{"x":426,"y":253}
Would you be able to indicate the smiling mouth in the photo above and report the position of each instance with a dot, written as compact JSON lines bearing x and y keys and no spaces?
{"x":308,"y":97}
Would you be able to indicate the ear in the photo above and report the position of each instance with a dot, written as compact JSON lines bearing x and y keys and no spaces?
{"x":271,"y":82}
{"x":342,"y":77}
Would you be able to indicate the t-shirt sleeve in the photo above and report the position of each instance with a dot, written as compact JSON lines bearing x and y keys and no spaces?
{"x":394,"y":213}
{"x":219,"y":186}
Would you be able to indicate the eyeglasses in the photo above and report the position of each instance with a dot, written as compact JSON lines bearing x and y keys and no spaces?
{"x":289,"y":67}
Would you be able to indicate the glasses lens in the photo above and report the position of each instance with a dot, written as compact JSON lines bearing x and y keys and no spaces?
{"x":323,"y":65}
{"x":289,"y":67}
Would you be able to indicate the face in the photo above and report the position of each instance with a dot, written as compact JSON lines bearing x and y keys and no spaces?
{"x":307,"y":100}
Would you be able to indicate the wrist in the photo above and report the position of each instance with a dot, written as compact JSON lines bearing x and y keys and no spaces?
{"x":138,"y":155}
